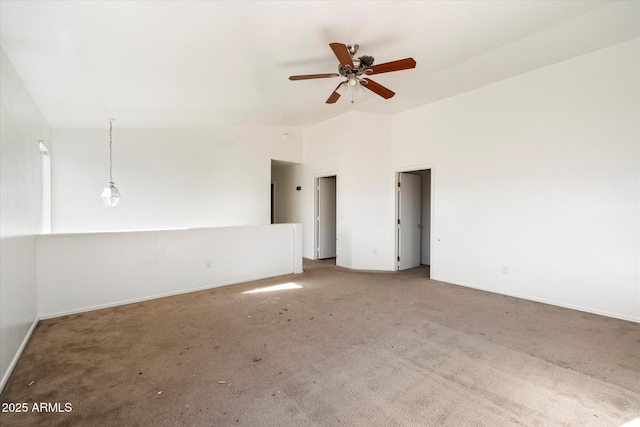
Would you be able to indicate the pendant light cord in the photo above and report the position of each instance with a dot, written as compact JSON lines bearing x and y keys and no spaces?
{"x":110,"y":152}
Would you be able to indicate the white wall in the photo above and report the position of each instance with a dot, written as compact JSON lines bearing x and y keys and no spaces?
{"x":21,"y":126}
{"x":168,"y":178}
{"x":328,"y":150}
{"x":80,"y":272}
{"x":538,"y":173}
{"x":355,"y":148}
{"x":373,"y":210}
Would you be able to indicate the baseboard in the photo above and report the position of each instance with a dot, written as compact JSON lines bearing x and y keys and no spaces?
{"x":16,"y":357}
{"x":152,"y":297}
{"x":544,"y":301}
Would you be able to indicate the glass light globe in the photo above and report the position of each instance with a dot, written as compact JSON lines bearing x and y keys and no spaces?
{"x":110,"y":195}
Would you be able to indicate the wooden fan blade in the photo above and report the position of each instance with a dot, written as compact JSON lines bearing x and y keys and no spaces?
{"x":335,"y":95}
{"x":378,"y":88}
{"x":342,"y":54}
{"x":314,"y":76}
{"x":387,"y":67}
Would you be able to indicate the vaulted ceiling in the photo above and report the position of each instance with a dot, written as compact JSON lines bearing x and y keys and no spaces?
{"x":219,"y":63}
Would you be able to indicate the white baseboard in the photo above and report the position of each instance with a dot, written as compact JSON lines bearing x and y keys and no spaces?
{"x":545,"y":301}
{"x":164,"y":295}
{"x":16,"y":357}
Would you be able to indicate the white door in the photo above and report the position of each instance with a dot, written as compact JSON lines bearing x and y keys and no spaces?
{"x":409,"y":216}
{"x":326,"y":218}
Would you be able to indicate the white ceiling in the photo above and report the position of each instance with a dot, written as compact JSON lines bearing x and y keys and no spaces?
{"x":215,"y":63}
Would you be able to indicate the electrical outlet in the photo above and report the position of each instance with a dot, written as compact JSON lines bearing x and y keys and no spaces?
{"x":207,"y":264}
{"x":505,"y":269}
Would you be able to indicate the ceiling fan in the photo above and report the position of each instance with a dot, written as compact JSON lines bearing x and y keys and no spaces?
{"x":354,"y":69}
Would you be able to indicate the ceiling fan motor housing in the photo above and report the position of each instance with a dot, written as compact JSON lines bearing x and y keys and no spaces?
{"x":359,"y":66}
{"x":366,"y":61}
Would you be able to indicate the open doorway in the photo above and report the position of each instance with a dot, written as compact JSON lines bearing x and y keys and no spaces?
{"x":413,"y":218}
{"x":326,"y":223}
{"x":284,"y":194}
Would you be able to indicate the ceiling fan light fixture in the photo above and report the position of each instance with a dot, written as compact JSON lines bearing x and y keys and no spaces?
{"x":353,"y":81}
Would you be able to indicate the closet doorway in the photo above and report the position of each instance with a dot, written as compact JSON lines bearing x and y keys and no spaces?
{"x":413,"y":218}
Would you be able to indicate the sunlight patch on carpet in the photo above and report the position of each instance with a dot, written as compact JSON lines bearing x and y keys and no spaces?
{"x":281,"y":287}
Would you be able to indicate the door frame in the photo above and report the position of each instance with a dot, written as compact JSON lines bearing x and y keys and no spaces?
{"x":396,"y":179}
{"x":273,"y":202}
{"x":316,"y":211}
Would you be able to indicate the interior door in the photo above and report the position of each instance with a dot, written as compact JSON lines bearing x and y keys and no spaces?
{"x":409,"y":216}
{"x":326,"y":218}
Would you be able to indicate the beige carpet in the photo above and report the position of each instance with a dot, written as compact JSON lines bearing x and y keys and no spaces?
{"x":348,"y":348}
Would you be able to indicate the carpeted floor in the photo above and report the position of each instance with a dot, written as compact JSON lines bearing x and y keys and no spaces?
{"x":347,"y":348}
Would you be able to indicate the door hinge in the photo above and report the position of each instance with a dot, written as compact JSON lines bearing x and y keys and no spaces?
{"x":398,"y":259}
{"x":398,"y":185}
{"x":318,"y":249}
{"x":398,"y":222}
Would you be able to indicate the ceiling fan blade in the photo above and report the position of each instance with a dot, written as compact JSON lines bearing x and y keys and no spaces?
{"x":342,"y":54}
{"x":314,"y":76}
{"x":387,"y":67}
{"x":378,"y":88}
{"x":335,"y":95}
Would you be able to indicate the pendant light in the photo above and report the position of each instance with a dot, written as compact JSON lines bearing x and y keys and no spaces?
{"x":110,"y":195}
